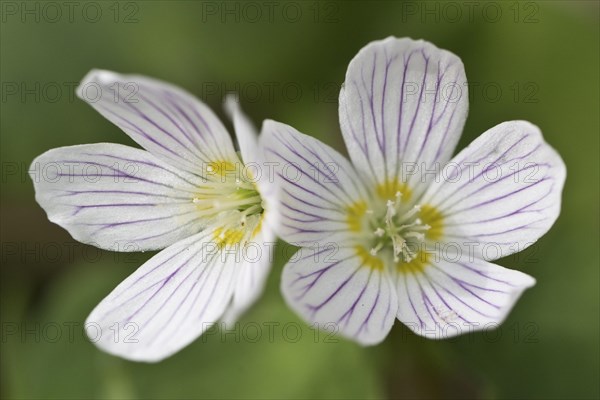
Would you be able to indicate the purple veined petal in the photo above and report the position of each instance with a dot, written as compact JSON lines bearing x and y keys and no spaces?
{"x":403,"y":105}
{"x":116,"y":197}
{"x":501,"y":193}
{"x":315,"y":186}
{"x":443,"y":298}
{"x":252,"y":276}
{"x":342,"y":292}
{"x":162,"y":118}
{"x":168,"y":302}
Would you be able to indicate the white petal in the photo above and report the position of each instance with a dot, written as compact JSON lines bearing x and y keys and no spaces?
{"x":252,"y":276}
{"x":501,"y":193}
{"x":335,"y":289}
{"x":252,"y":156}
{"x":448,"y":299}
{"x":168,"y":302}
{"x":403,"y":105}
{"x":244,"y":131}
{"x":164,"y":119}
{"x":254,"y":160}
{"x":314,"y":186}
{"x":116,"y":197}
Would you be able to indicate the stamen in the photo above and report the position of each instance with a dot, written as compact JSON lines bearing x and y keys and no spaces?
{"x":391,"y":211}
{"x":251,"y":210}
{"x":402,"y":229}
{"x":418,"y":227}
{"x":222,"y":191}
{"x":375,"y":249}
{"x":417,"y":235}
{"x":412,"y":212}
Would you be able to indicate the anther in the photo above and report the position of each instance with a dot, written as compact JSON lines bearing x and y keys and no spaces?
{"x":375,"y":249}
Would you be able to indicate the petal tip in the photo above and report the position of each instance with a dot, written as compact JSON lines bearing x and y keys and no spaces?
{"x":231,"y":104}
{"x":95,"y":77}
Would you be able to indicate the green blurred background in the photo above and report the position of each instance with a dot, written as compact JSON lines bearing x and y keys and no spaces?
{"x":525,"y":60}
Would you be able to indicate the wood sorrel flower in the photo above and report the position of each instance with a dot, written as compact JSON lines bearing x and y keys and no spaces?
{"x":412,"y":229}
{"x":189,"y":193}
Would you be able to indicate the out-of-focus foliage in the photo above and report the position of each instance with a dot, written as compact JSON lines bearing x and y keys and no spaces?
{"x":538,"y":61}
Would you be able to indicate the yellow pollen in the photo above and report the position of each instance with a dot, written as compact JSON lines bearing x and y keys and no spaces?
{"x":367,"y":259}
{"x":258,"y":226}
{"x":414,"y":266}
{"x":430,"y":215}
{"x":228,"y":237}
{"x":389,"y":190}
{"x":220,"y":168}
{"x":356,"y":211}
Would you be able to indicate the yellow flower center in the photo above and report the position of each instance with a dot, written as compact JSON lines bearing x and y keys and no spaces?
{"x":229,"y":198}
{"x":394,"y":225}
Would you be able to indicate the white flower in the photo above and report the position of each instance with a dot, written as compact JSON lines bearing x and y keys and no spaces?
{"x":188,"y":193}
{"x":413,"y":229}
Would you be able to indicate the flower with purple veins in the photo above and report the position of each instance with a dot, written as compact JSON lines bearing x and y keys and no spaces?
{"x":189,"y":193}
{"x":413,"y":228}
